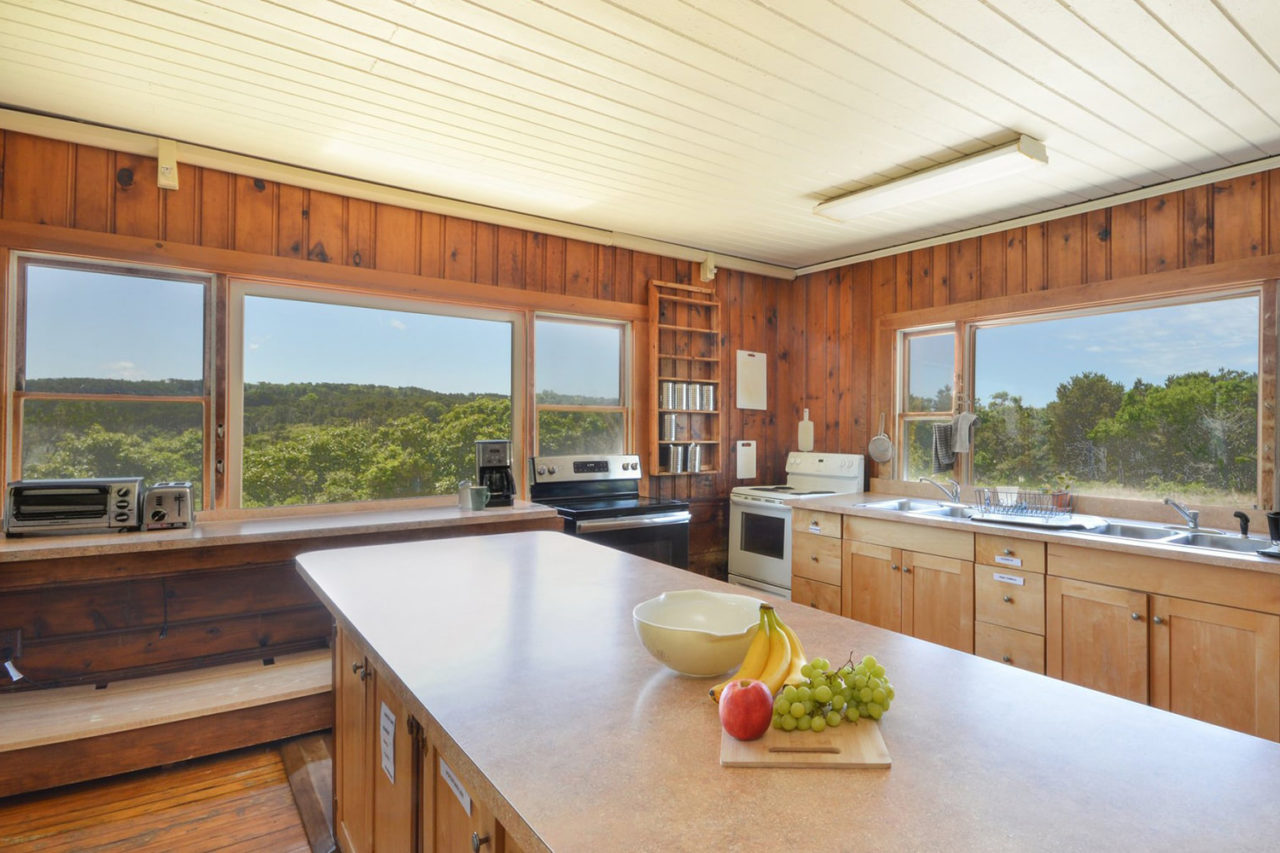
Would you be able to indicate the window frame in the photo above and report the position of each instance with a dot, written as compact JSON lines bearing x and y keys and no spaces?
{"x":626,"y":344}
{"x":15,"y":356}
{"x":967,"y":318}
{"x":241,"y":286}
{"x":903,"y":418}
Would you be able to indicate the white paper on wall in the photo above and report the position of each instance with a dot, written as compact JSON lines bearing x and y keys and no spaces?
{"x":746,"y":460}
{"x":752,"y":391}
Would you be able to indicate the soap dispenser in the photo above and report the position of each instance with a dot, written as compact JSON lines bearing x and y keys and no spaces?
{"x":804,"y":440}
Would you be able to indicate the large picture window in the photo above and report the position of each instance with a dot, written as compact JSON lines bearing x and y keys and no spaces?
{"x":580,"y":388}
{"x":110,"y":374}
{"x":344,"y":402}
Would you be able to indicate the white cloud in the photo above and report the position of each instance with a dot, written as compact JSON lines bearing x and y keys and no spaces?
{"x":398,"y":324}
{"x":123,"y":370}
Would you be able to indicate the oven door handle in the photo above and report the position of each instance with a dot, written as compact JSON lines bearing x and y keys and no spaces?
{"x":603,"y":525}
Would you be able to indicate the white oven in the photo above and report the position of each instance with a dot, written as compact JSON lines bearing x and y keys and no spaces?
{"x":760,"y":517}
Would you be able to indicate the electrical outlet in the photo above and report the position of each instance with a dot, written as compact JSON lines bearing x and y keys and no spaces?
{"x":10,"y":643}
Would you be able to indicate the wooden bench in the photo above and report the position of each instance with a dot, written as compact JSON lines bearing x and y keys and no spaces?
{"x":70,"y":734}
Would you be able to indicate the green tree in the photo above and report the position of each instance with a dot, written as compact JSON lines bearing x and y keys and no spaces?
{"x":1082,"y":402}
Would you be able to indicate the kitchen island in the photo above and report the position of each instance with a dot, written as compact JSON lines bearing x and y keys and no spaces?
{"x":516,"y":656}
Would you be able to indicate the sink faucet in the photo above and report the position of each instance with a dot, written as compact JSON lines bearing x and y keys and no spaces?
{"x":1191,"y":515}
{"x":953,"y":493}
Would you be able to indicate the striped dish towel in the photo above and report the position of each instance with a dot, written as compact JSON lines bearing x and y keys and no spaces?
{"x":944,"y":456}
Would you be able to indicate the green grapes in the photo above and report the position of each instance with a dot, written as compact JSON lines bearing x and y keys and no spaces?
{"x":829,"y":697}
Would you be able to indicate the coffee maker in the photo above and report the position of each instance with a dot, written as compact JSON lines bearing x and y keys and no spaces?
{"x":493,"y":469}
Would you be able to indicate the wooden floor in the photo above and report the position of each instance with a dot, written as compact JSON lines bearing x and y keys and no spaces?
{"x":237,"y":801}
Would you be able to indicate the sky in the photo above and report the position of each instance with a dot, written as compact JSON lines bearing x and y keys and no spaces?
{"x":1030,"y":359}
{"x":125,"y":327}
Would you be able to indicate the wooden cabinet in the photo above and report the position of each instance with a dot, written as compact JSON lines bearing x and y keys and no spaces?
{"x":816,"y":574}
{"x":685,"y":375}
{"x":1215,"y":663}
{"x":924,"y":594}
{"x":353,"y":736}
{"x":1009,"y":600}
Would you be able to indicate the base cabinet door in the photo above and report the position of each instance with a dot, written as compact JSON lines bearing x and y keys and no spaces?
{"x":937,"y":599}
{"x":1096,"y":636}
{"x":872,"y":587}
{"x":1217,"y":664}
{"x":395,"y":774}
{"x":353,"y":747}
{"x":822,"y":596}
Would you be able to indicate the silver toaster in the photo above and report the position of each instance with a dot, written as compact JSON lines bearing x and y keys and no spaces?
{"x":167,"y":506}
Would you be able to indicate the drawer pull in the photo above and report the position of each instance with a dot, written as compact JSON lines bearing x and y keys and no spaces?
{"x":1006,"y":659}
{"x":813,"y":558}
{"x":1009,"y":599}
{"x":893,"y":566}
{"x":1158,"y":620}
{"x":1008,"y":552}
{"x":478,"y":841}
{"x":1135,"y":616}
{"x":906,"y":570}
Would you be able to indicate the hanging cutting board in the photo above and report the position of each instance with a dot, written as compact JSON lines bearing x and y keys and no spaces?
{"x":848,"y":745}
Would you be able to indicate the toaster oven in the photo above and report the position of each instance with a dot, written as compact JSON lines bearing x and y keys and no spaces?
{"x":98,"y":505}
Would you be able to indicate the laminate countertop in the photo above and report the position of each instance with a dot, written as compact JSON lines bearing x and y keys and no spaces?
{"x":521,"y":648}
{"x":279,"y":528}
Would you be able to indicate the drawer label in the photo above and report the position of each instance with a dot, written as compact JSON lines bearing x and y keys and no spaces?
{"x":387,"y":740}
{"x":815,"y":527}
{"x":1002,"y":560}
{"x":455,"y":785}
{"x":1003,"y":578}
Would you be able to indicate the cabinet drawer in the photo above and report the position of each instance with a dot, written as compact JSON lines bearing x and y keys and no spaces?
{"x":823,"y":596}
{"x":815,"y":557}
{"x":1009,"y":597}
{"x":1016,"y":648}
{"x":1008,"y":552}
{"x":813,"y":521}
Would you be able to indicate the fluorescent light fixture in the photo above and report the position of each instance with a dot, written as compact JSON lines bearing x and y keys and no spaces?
{"x":977,"y":168}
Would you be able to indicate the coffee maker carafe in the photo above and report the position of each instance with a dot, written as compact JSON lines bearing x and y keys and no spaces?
{"x":493,"y":469}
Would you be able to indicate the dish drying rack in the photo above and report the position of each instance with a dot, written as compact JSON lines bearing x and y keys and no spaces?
{"x":1022,"y":503}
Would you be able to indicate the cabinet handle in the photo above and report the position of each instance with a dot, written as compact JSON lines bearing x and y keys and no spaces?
{"x":906,"y":570}
{"x":1158,"y":620}
{"x":478,"y":841}
{"x":893,"y":566}
{"x":1006,"y":659}
{"x":813,"y":558}
{"x":1136,"y":617}
{"x":356,"y":667}
{"x":1008,"y":552}
{"x":1009,"y":599}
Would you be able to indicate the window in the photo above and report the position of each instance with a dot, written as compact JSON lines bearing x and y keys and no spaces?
{"x":580,"y":386}
{"x":109,"y":374}
{"x":928,"y":371}
{"x":349,"y":402}
{"x":1144,"y":402}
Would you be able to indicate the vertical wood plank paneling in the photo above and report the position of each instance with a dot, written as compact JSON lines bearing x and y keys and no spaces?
{"x":486,"y":254}
{"x":1064,"y":251}
{"x":215,"y":209}
{"x":553,"y":260}
{"x":91,"y":193}
{"x":991,"y":260}
{"x":941,"y":276}
{"x":605,"y":257}
{"x":1036,"y":258}
{"x":580,"y":268}
{"x":853,"y":398}
{"x":883,"y":279}
{"x":535,"y":262}
{"x":359,"y":249}
{"x":921,"y":278}
{"x":835,"y":387}
{"x":1197,"y":223}
{"x":1238,"y":218}
{"x":326,"y":227}
{"x":291,"y":221}
{"x":396,"y":236}
{"x":963,"y":262}
{"x":791,"y":387}
{"x":1097,"y":245}
{"x":459,"y":248}
{"x":644,"y":268}
{"x":624,"y":286}
{"x":37,"y":180}
{"x":1128,"y":254}
{"x":816,"y":353}
{"x":181,"y":207}
{"x":1273,"y":210}
{"x":3,"y":136}
{"x":1015,"y":260}
{"x":510,"y":257}
{"x":137,"y":198}
{"x":1162,"y":232}
{"x":860,"y":335}
{"x":902,"y":282}
{"x":432,"y":245}
{"x":256,"y":208}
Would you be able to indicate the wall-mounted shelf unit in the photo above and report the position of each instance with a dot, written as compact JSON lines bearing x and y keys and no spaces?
{"x":685,"y":380}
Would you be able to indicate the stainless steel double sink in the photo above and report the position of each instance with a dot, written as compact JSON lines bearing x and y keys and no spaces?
{"x":1214,"y":540}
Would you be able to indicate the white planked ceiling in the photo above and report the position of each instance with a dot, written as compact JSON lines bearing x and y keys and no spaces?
{"x":716,"y":125}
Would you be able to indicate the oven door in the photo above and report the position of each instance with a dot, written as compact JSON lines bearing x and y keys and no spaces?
{"x":760,"y":545}
{"x":662,"y":537}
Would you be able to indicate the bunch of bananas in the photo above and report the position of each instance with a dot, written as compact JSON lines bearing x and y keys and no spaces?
{"x":775,"y":655}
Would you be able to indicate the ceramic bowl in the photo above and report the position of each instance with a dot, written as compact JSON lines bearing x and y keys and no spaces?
{"x":696,"y":631}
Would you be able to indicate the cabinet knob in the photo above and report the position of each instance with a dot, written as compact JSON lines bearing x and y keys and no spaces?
{"x":1006,"y":659}
{"x":1136,"y":617}
{"x":893,"y":566}
{"x":813,"y":558}
{"x":906,"y":570}
{"x":478,"y":841}
{"x":1158,"y":620}
{"x":1009,"y":599}
{"x":1008,"y":552}
{"x":356,"y":667}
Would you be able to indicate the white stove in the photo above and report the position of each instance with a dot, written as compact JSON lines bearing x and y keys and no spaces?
{"x":760,"y":517}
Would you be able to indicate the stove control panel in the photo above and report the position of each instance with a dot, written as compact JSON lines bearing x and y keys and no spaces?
{"x":567,"y":469}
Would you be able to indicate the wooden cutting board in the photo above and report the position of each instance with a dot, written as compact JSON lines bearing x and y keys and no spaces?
{"x":847,"y":745}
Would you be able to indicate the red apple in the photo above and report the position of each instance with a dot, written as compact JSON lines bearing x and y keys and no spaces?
{"x":746,"y":708}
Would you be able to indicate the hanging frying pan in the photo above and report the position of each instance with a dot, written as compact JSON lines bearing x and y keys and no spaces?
{"x":880,"y":447}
